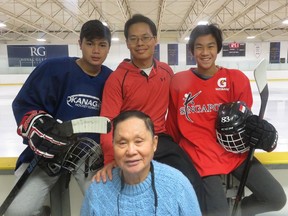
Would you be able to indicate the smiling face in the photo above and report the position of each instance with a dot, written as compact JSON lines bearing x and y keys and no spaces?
{"x":141,"y":49}
{"x":134,"y":147}
{"x":94,"y":53}
{"x":205,"y":53}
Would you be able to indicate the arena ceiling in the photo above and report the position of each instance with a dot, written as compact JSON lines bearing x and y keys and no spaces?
{"x":60,"y":21}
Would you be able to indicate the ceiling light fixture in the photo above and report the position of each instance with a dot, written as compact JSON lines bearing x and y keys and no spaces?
{"x":202,"y":22}
{"x":285,"y":22}
{"x":41,"y":39}
{"x":250,"y":37}
{"x":115,"y":39}
{"x":2,"y":25}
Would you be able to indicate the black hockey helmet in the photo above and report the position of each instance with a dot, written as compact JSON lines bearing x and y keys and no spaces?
{"x":84,"y":155}
{"x":230,"y":126}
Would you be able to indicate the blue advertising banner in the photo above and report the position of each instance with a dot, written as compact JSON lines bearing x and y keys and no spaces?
{"x":190,"y":60}
{"x":32,"y":55}
{"x":274,"y":54}
{"x":173,"y":54}
{"x":157,"y":52}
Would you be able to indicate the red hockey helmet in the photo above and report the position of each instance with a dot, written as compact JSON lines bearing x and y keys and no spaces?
{"x":230,"y":126}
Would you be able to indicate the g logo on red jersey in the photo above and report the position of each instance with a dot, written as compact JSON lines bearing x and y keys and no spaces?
{"x":222,"y":82}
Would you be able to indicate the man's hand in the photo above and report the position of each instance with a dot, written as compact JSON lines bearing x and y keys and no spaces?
{"x":39,"y":128}
{"x":104,"y":172}
{"x":260,"y":133}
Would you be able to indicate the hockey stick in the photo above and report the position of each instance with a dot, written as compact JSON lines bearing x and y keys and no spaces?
{"x":96,"y":124}
{"x":262,"y":85}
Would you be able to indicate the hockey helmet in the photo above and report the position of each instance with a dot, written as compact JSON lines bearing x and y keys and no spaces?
{"x":85,"y":156}
{"x":230,"y":126}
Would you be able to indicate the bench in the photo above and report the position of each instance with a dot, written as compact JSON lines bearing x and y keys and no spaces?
{"x":273,"y":158}
{"x":7,"y":163}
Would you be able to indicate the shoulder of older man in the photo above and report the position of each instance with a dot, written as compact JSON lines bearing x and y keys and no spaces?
{"x":169,"y":176}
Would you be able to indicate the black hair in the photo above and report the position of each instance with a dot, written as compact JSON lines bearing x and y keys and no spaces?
{"x":134,"y":113}
{"x":139,"y":18}
{"x":95,"y":29}
{"x":202,"y":30}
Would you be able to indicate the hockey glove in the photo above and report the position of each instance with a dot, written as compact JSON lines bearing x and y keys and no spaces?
{"x":261,"y":134}
{"x":39,"y":128}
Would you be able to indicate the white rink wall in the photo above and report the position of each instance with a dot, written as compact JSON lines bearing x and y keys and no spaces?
{"x":13,"y":79}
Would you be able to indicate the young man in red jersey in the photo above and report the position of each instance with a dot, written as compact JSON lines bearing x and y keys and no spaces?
{"x":195,"y":97}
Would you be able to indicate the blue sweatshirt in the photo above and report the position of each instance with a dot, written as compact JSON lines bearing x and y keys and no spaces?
{"x":175,"y":196}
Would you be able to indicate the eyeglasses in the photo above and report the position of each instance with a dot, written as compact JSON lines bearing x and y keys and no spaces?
{"x":134,"y":40}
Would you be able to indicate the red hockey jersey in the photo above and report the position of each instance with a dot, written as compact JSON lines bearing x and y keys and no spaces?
{"x":193,"y":107}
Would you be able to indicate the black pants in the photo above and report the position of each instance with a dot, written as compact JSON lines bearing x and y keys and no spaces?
{"x":170,"y":153}
{"x":267,"y":193}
